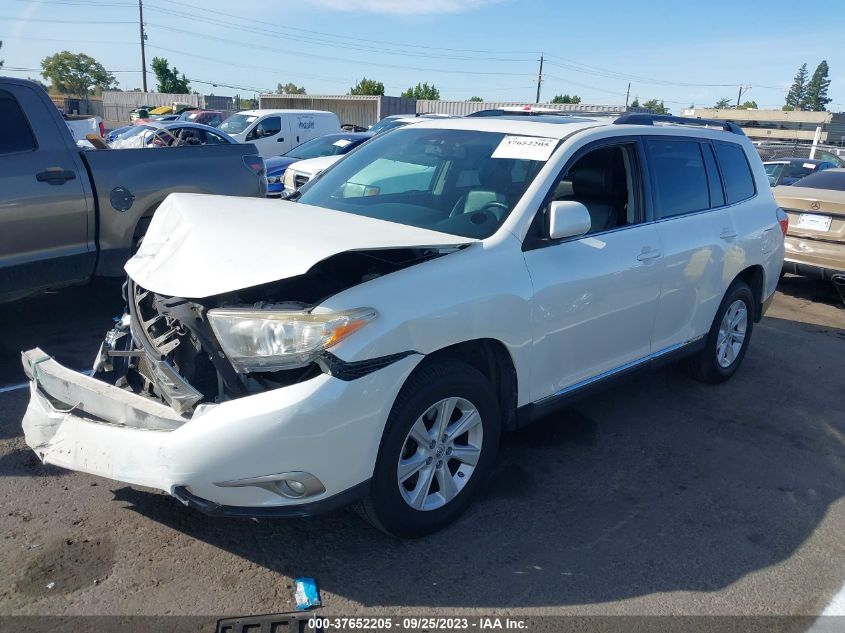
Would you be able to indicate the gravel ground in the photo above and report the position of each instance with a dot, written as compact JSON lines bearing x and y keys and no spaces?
{"x":660,"y":496}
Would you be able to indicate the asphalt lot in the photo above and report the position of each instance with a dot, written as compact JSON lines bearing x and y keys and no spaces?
{"x":662,"y":496}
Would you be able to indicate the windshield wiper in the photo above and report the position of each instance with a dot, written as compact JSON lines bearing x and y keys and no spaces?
{"x":293,"y":196}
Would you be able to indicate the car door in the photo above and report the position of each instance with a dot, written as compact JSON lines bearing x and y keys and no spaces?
{"x":595,"y":296}
{"x":46,"y":213}
{"x":269,"y":136}
{"x":697,"y":234}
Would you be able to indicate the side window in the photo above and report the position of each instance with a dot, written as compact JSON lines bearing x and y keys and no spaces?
{"x":270,"y":126}
{"x":214,"y":139}
{"x":736,"y":172}
{"x":680,"y":178}
{"x":717,"y":196}
{"x":606,"y":181}
{"x":15,"y":134}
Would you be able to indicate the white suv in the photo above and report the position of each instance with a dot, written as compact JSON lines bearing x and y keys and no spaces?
{"x":438,"y":286}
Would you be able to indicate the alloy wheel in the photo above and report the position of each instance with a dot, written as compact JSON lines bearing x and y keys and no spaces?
{"x":440,"y":453}
{"x":732,"y":333}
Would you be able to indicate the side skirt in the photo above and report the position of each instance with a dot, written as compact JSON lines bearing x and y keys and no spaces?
{"x":533,"y":411}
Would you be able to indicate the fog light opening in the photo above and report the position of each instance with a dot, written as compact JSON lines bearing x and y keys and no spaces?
{"x":292,"y":488}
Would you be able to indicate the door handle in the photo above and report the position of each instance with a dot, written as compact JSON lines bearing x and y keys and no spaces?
{"x":648,"y":254}
{"x":55,"y":175}
{"x":280,"y":140}
{"x":727,"y":234}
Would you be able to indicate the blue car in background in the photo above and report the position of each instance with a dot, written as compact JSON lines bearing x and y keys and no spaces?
{"x":328,"y":145}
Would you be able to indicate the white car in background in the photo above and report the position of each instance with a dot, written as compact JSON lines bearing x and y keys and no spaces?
{"x":275,"y":132}
{"x":302,"y":171}
{"x":81,"y":126}
{"x":442,"y":283}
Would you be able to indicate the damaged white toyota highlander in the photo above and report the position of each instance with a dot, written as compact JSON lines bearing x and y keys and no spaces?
{"x":369,"y":342}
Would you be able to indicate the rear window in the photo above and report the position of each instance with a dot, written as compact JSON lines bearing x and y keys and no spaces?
{"x":15,"y":135}
{"x":827,"y":179}
{"x":736,"y":172}
{"x":680,"y":177}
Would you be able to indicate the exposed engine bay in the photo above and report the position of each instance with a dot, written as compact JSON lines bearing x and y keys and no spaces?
{"x":165,"y":348}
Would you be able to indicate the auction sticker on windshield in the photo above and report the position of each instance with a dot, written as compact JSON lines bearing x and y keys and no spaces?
{"x":525,"y":148}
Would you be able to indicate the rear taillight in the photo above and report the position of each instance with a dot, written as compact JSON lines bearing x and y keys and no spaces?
{"x":102,"y":129}
{"x":255,"y":164}
{"x":783,"y":220}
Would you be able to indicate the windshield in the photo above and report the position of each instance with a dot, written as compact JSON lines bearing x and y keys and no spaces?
{"x":323,"y":146}
{"x":387,"y":124}
{"x":773,"y":171}
{"x":237,"y":123}
{"x":826,"y":179}
{"x":462,"y":182}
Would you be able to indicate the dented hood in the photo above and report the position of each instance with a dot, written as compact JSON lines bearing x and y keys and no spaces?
{"x":200,"y":245}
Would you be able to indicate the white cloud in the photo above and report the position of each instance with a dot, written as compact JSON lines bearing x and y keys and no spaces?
{"x":404,"y":7}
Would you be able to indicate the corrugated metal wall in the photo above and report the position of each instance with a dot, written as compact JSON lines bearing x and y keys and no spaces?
{"x":217,"y":102}
{"x":462,"y":108}
{"x":363,"y":110}
{"x":117,"y":105}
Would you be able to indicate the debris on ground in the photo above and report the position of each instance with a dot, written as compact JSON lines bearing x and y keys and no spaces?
{"x":307,"y":594}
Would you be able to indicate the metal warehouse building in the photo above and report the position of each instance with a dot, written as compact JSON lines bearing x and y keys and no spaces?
{"x":363,"y":110}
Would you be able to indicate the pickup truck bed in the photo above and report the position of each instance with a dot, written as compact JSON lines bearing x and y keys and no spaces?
{"x":67,"y":214}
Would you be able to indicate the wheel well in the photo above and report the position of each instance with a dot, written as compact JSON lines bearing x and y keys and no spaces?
{"x":754,"y":277}
{"x":491,"y":358}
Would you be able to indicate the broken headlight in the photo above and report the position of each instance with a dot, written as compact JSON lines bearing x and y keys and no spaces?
{"x":272,"y":340}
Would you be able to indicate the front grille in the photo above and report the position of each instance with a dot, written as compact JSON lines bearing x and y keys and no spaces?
{"x":173,"y":365}
{"x":299,"y":180}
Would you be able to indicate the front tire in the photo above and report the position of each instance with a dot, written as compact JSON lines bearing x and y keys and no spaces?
{"x":729,"y":336}
{"x":439,"y":444}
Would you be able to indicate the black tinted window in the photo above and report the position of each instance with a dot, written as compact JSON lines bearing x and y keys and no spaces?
{"x":717,"y":196}
{"x":15,"y":135}
{"x":824,"y":180}
{"x":679,"y":177}
{"x":270,"y":126}
{"x":736,"y":173}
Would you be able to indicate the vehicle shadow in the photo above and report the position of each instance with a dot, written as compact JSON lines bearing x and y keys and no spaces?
{"x":83,"y":312}
{"x":661,"y":484}
{"x":816,"y":290}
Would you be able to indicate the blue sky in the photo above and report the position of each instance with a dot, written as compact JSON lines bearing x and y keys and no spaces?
{"x":678,"y":51}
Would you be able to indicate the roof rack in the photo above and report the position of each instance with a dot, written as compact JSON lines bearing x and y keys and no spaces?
{"x":651,"y":119}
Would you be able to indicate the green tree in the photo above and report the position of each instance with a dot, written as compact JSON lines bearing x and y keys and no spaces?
{"x":566,"y":99}
{"x":635,"y":103}
{"x":656,"y":106}
{"x":367,"y":87}
{"x":796,"y":98}
{"x":748,"y":105}
{"x":475,"y":99}
{"x":817,"y":87}
{"x":722,"y":103}
{"x":290,"y":89}
{"x":168,"y":78}
{"x":76,"y":74}
{"x":422,"y":91}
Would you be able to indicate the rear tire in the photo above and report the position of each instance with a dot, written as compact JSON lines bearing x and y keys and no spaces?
{"x":444,"y":429}
{"x":727,"y":341}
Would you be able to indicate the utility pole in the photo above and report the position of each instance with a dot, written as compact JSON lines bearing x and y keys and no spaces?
{"x":539,"y":79}
{"x":143,"y":37}
{"x":627,"y":94}
{"x":739,"y":96}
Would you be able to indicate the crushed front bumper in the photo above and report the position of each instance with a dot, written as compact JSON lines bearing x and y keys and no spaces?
{"x":325,"y":426}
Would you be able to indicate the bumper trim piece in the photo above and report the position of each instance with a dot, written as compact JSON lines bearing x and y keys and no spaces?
{"x":312,"y":508}
{"x":73,"y":391}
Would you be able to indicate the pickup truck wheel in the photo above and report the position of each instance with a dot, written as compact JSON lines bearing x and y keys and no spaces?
{"x":729,"y":336}
{"x":439,"y":444}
